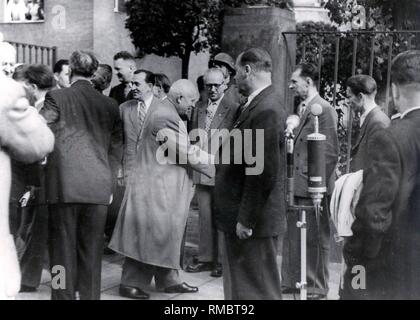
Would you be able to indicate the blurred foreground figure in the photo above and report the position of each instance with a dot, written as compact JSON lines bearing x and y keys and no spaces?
{"x":24,"y":136}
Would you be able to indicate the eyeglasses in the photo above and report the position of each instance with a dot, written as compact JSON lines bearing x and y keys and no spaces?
{"x":211,"y":85}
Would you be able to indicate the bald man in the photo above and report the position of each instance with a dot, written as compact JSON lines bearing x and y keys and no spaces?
{"x":7,"y":57}
{"x":153,"y":215}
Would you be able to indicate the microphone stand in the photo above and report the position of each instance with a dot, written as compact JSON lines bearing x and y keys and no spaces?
{"x":316,"y":195}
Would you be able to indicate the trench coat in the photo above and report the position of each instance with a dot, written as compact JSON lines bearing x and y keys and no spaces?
{"x":154,"y":211}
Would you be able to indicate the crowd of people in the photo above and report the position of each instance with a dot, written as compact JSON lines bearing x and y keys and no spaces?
{"x":24,"y":10}
{"x":87,"y":173}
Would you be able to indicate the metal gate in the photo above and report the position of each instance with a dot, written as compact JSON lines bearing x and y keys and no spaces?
{"x":340,"y":55}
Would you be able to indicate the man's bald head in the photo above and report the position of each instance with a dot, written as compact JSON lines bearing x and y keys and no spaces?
{"x":184,"y":95}
{"x":7,"y":58}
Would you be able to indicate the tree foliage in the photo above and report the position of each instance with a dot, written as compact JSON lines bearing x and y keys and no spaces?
{"x":174,"y":28}
{"x":178,"y":28}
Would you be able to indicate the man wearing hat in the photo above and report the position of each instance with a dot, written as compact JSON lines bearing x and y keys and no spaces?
{"x":225,"y":62}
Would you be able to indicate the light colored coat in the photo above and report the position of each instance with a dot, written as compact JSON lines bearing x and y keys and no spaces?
{"x":24,"y":136}
{"x":154,"y":211}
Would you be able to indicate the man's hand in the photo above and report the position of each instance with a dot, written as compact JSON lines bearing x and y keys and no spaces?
{"x":9,"y":268}
{"x":243,"y":232}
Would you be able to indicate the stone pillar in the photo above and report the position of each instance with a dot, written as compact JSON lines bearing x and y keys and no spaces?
{"x":262,"y":27}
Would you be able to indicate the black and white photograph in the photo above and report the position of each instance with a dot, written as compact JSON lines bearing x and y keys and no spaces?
{"x":216,"y":150}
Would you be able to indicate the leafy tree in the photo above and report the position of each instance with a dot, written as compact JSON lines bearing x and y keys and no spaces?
{"x":178,"y":28}
{"x":174,"y":28}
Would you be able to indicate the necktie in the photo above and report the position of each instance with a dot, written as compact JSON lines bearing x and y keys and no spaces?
{"x":141,"y":114}
{"x":211,"y":110}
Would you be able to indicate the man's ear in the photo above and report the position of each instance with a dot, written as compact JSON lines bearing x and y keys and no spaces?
{"x":309,"y":81}
{"x":178,"y":100}
{"x":248,"y":69}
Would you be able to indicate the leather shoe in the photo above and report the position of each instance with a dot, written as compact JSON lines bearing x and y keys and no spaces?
{"x":181,"y":288}
{"x":316,"y":296}
{"x":133,"y":293}
{"x":199,"y":267}
{"x":217,"y":271}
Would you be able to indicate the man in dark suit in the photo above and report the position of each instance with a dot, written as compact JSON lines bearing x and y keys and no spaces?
{"x":382,"y":256}
{"x":124,"y":65}
{"x":79,"y":177}
{"x":361,"y":92}
{"x":303,"y":83}
{"x":249,"y":195}
{"x":215,"y":113}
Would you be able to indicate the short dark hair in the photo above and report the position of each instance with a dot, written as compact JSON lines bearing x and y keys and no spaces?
{"x":162,"y":81}
{"x":258,"y":58}
{"x":308,"y":70}
{"x":58,"y":67}
{"x":83,"y":63}
{"x":125,"y":55}
{"x":40,"y":75}
{"x":103,"y":77}
{"x":149,"y":75}
{"x":406,"y":68}
{"x":19,"y":73}
{"x":362,"y":84}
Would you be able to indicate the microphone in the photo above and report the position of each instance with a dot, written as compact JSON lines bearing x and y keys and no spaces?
{"x":292,"y":123}
{"x":317,"y":185}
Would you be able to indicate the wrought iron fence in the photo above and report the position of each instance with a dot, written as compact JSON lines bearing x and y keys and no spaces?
{"x":340,"y":55}
{"x":34,"y":54}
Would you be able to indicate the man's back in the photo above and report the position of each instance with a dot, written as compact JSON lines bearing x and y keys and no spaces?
{"x":88,"y":145}
{"x":385,"y":232}
{"x":257,"y":198}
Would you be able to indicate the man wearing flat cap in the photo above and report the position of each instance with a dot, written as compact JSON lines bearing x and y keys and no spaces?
{"x":225,"y":62}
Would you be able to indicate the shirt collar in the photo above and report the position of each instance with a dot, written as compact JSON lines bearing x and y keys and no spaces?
{"x":217,"y":102}
{"x":148,"y":102}
{"x":254,"y":94}
{"x":309,"y":98}
{"x":365,"y":114}
{"x":408,"y":111}
{"x":39,"y":104}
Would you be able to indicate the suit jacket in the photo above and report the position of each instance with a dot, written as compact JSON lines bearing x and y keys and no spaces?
{"x":255,"y":200}
{"x":224,"y":118}
{"x":386,"y":237}
{"x":328,"y":127}
{"x":117,"y":93}
{"x":87,"y":153}
{"x":362,"y":149}
{"x":129,"y":116}
{"x":154,"y":211}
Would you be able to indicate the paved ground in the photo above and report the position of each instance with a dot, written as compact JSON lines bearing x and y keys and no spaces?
{"x":209,"y":288}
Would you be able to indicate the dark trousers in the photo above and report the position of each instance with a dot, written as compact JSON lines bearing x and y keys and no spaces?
{"x":113,"y":211}
{"x":34,"y":235}
{"x":250,"y":270}
{"x":76,"y":237}
{"x":208,"y":247}
{"x":318,"y":247}
{"x":139,"y":275}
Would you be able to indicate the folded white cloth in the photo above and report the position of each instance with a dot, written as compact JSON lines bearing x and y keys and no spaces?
{"x":344,"y":201}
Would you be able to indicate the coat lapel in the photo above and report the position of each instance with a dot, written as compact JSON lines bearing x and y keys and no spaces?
{"x":134,"y":114}
{"x":221,"y":113}
{"x":244,"y":114}
{"x":146,"y":120}
{"x":364,"y":128}
{"x":305,"y":116}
